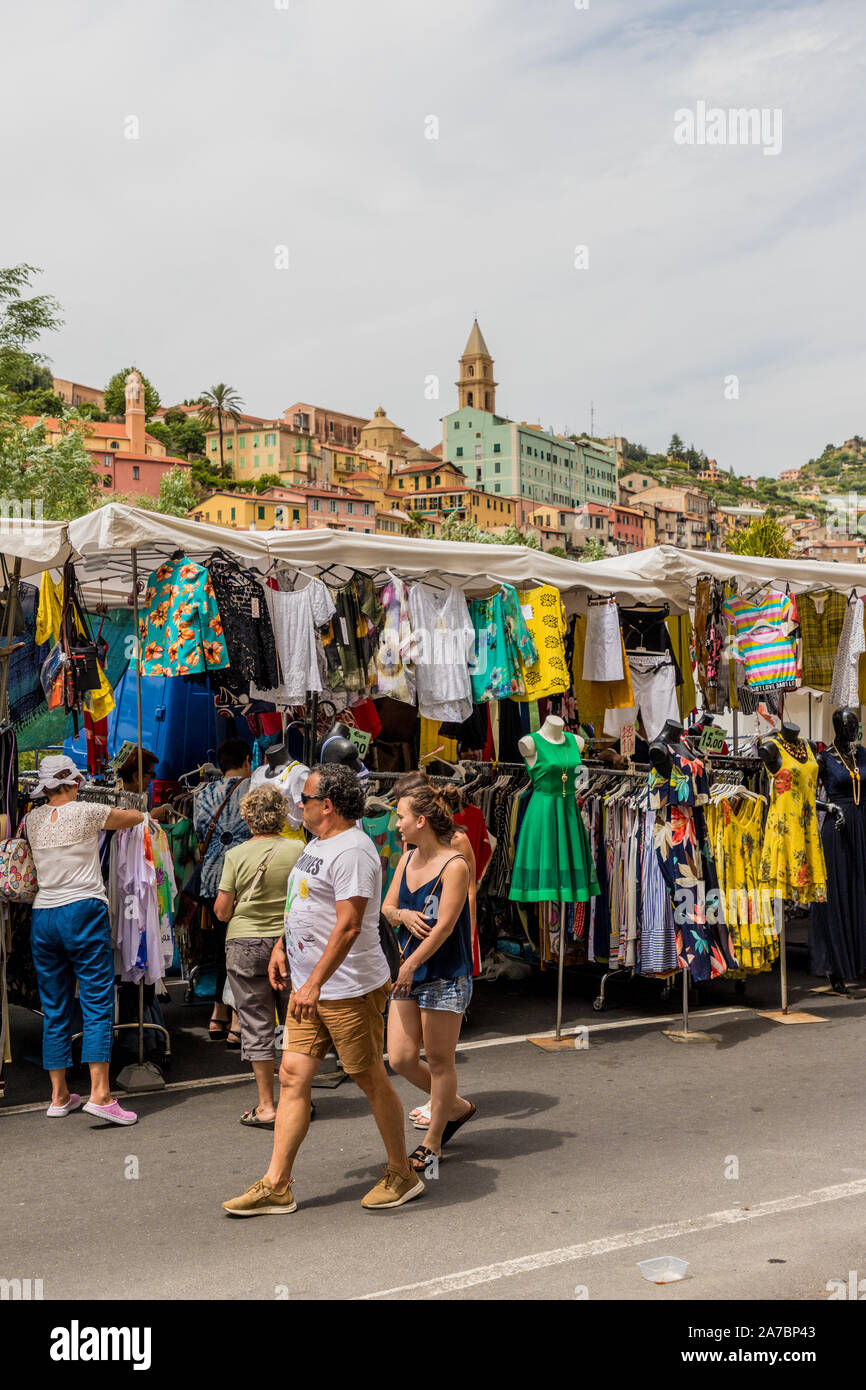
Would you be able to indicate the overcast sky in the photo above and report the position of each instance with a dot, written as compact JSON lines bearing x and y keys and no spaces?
{"x":303,"y":124}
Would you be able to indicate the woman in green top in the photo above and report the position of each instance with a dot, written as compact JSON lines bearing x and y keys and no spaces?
{"x":252,"y":900}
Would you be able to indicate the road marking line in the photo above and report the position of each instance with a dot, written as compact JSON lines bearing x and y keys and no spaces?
{"x":527,"y":1264}
{"x":600,"y":1027}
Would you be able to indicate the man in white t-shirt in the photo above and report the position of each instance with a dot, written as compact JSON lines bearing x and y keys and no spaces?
{"x":340,"y":989}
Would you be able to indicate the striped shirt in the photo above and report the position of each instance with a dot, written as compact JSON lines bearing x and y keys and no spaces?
{"x":760,"y":640}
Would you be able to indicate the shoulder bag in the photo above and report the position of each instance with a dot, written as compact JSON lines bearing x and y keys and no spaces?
{"x":17,"y":869}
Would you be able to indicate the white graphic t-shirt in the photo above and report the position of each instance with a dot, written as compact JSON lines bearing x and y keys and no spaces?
{"x":329,"y":871}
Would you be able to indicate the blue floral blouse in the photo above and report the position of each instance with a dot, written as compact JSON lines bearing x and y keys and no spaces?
{"x":181,"y":632}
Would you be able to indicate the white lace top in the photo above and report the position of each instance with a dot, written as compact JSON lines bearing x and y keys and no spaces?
{"x":443,"y":644}
{"x":64,"y":842}
{"x":295,"y":616}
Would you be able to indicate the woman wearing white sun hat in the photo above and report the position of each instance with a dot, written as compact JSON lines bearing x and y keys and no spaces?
{"x":70,"y":934}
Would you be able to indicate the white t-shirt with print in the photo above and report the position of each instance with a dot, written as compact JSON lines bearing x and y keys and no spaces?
{"x":329,"y":871}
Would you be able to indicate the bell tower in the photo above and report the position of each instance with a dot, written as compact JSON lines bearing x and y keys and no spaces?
{"x":135,"y":413}
{"x":475,"y":386}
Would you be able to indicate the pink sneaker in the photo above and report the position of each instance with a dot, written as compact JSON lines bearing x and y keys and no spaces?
{"x":73,"y":1103}
{"x":112,"y":1112}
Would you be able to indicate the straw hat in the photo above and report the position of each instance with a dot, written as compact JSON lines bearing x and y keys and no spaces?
{"x":54,"y":773}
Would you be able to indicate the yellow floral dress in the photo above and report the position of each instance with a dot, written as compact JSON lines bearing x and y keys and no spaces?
{"x":792,"y":860}
{"x":736,"y":834}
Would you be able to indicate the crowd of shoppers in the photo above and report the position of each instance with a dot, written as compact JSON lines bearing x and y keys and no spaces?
{"x":305,"y":957}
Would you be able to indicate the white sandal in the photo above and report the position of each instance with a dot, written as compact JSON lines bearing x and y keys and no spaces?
{"x":420,"y":1116}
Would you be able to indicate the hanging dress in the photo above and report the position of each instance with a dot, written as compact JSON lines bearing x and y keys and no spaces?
{"x":686,"y":861}
{"x":837,"y":932}
{"x":552,"y":862}
{"x":736,"y":834}
{"x":792,"y":860}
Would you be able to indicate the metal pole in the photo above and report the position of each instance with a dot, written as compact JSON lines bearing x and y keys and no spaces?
{"x":736,"y":732}
{"x":810,"y":714}
{"x":10,"y":617}
{"x":137,"y":662}
{"x":141,"y":1020}
{"x":314,"y":725}
{"x":685,"y":1000}
{"x":561,"y":977}
{"x":779,"y":909}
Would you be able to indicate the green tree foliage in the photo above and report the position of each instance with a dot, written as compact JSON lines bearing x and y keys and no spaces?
{"x":456,"y":529}
{"x":115,"y":394}
{"x":40,"y":402}
{"x":763,"y":536}
{"x":58,"y":474}
{"x":676,"y":448}
{"x":592,"y":549}
{"x":176,"y":494}
{"x":22,"y":322}
{"x":266,"y":480}
{"x":220,"y":403}
{"x":418,"y":525}
{"x":183,"y":435}
{"x":86,"y":410}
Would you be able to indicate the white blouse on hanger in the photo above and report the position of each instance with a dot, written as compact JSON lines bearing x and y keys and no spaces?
{"x":443,"y":644}
{"x":296,"y":614}
{"x":845,"y":685}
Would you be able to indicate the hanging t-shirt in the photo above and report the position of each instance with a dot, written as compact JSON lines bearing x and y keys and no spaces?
{"x":443,"y":642}
{"x":330,"y":871}
{"x":765,"y":650}
{"x":502,"y":641}
{"x":181,"y":631}
{"x":351,"y":639}
{"x":545,"y":617}
{"x":395,"y":673}
{"x":289,"y":781}
{"x":296,"y":614}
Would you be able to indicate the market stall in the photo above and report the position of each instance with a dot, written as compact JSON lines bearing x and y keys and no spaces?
{"x":560,"y":698}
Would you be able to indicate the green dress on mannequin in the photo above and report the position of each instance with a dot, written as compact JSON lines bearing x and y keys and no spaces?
{"x":553,"y":863}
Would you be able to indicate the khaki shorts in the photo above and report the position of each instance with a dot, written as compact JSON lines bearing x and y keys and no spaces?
{"x":355,"y":1028}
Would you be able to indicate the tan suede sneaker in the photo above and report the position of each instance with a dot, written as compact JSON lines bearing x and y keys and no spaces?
{"x":262,"y":1200}
{"x":393,"y":1190}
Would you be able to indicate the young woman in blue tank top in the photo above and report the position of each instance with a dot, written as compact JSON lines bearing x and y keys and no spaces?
{"x":428,"y":906}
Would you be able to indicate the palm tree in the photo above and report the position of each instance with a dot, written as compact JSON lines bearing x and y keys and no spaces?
{"x":219,"y":401}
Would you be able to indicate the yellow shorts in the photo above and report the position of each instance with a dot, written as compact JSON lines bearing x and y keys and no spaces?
{"x":355,"y":1028}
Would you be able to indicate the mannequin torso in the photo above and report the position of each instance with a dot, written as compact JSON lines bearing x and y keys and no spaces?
{"x":553,"y":729}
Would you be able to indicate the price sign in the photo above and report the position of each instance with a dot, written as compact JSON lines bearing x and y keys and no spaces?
{"x":123,"y":752}
{"x":626,"y":740}
{"x":712,"y":739}
{"x":361,"y":740}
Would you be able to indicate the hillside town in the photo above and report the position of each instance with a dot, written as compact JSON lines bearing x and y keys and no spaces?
{"x":489,"y":476}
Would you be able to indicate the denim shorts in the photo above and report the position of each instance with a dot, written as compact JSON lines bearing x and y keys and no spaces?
{"x":452,"y":996}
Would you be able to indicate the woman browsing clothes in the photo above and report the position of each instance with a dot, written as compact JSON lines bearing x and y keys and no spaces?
{"x":428,"y":906}
{"x":252,"y":900}
{"x":70,"y":935}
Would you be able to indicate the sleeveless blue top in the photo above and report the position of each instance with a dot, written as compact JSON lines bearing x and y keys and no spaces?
{"x":454,"y":957}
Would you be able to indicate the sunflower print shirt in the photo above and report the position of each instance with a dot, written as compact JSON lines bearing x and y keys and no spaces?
{"x":181,"y":632}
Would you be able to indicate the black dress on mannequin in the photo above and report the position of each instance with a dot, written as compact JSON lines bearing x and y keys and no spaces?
{"x":837,"y":933}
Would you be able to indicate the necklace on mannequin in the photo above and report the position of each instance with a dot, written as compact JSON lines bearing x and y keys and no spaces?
{"x":854,"y":772}
{"x":799,"y":751}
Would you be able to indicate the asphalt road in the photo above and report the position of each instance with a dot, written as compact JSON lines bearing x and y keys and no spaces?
{"x":574,"y":1160}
